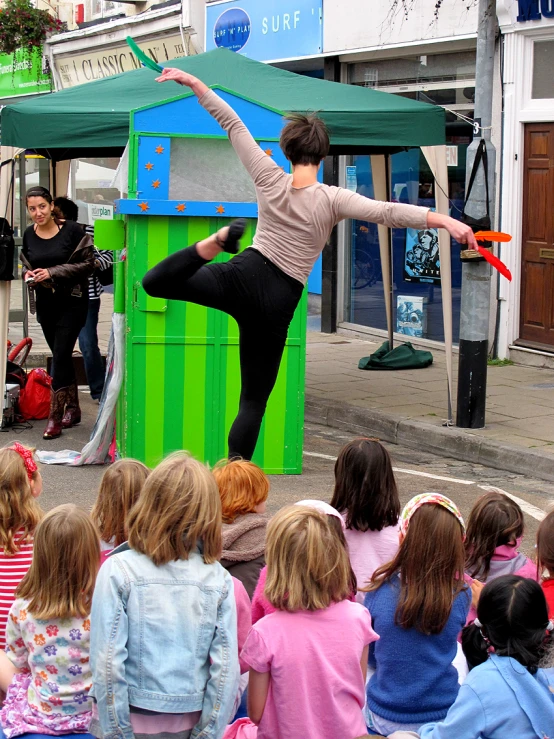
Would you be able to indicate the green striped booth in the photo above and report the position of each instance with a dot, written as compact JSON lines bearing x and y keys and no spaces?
{"x":182,"y":376}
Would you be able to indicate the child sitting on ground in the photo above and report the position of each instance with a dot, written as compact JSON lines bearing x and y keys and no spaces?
{"x":46,"y":670}
{"x":418,"y":604}
{"x":308,"y":658}
{"x":243,"y":489}
{"x":494,"y":532}
{"x":506,"y":694}
{"x":260,"y":604}
{"x":20,"y":486}
{"x":367,"y":498}
{"x":119,"y":491}
{"x":545,"y":560}
{"x":164,"y":625}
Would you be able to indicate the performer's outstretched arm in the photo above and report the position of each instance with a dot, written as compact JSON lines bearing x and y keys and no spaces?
{"x":261,"y":167}
{"x":397,"y":215}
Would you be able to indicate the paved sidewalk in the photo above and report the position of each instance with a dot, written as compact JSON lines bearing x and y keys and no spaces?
{"x":410,"y":406}
{"x":407,"y":406}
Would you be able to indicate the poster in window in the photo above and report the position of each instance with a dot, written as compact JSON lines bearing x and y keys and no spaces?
{"x":411,"y":315}
{"x":421,"y":260}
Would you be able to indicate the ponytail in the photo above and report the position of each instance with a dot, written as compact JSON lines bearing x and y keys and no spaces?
{"x":474,"y":646}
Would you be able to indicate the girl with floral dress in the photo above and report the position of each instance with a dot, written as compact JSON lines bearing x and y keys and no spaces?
{"x":46,"y":670}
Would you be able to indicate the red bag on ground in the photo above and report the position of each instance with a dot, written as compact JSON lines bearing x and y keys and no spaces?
{"x":34,"y":399}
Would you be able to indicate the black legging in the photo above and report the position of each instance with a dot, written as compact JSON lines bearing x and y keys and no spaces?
{"x":61,"y":320}
{"x":261,"y":298}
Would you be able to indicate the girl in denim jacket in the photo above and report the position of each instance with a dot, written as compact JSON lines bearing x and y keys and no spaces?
{"x":163,"y":624}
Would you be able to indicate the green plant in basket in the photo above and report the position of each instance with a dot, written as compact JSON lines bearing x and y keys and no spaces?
{"x":22,"y":26}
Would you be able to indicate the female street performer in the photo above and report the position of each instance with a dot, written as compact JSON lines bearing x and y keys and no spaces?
{"x":261,"y":287}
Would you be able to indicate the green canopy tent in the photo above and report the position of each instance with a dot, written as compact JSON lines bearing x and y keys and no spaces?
{"x":92,"y":120}
{"x":95,"y":115}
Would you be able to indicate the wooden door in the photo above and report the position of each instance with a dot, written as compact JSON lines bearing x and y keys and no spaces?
{"x":537,"y":259}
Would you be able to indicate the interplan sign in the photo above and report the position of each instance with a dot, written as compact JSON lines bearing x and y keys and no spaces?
{"x":266,"y":30}
{"x":75,"y":69}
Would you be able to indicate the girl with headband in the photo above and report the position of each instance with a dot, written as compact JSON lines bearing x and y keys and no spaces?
{"x":510,"y":691}
{"x":418,"y":603}
{"x":20,"y":486}
{"x":261,"y":287}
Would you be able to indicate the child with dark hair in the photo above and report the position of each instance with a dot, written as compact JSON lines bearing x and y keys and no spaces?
{"x":367,"y":498}
{"x":508,"y":693}
{"x":545,"y":560}
{"x":494,"y":533}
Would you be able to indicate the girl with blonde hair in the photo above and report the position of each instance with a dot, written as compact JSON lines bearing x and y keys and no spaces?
{"x":164,"y":627}
{"x":243,"y":489}
{"x":20,"y":486}
{"x":46,"y":671}
{"x":119,"y":491}
{"x":308,"y":659}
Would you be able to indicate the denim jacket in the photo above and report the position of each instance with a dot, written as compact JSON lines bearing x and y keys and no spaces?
{"x":163,"y":639}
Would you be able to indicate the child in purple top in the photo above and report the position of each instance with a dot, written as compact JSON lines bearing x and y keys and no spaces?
{"x":494,"y":532}
{"x":308,"y":659}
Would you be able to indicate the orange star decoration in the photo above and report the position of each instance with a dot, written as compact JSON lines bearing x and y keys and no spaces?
{"x":144,"y":207}
{"x":149,"y":166}
{"x":159,"y":149}
{"x":220,"y":209}
{"x":181,"y":207}
{"x":269,"y":152}
{"x":156,"y":184}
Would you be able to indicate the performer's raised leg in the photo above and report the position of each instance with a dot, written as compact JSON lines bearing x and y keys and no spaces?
{"x":187,"y":274}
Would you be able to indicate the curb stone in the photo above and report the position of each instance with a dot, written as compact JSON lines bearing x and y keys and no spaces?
{"x":446,"y":442}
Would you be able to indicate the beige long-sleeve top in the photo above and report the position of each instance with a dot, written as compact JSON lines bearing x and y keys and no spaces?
{"x":294,"y":223}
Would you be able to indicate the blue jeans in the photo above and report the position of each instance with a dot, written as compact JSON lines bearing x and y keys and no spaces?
{"x":88,"y":344}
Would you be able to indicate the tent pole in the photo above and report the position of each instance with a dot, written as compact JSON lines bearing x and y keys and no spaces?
{"x":436,"y":159}
{"x":381,"y":192}
{"x":390,"y":296}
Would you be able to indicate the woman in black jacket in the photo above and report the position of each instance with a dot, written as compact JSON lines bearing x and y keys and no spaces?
{"x":58,"y":258}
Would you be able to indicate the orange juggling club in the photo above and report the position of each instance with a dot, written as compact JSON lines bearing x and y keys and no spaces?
{"x":492,"y":236}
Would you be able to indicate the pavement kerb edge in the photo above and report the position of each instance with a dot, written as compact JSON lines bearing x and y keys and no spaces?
{"x":449,"y":442}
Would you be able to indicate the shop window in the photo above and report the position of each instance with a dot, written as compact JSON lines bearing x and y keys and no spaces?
{"x":91,"y":188}
{"x":208,"y":170}
{"x":543,"y":64}
{"x":417,"y":301}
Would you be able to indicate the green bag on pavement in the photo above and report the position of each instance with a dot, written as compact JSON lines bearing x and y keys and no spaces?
{"x":403,"y":356}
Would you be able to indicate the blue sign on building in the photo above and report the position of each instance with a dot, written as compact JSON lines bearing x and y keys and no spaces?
{"x":266,"y":30}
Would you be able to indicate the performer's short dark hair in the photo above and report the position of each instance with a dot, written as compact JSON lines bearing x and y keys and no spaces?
{"x":67,"y":208}
{"x":304,"y":140}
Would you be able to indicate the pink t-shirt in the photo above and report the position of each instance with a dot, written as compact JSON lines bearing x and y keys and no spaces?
{"x":244,"y":617}
{"x":369,"y":550}
{"x":317,"y":687}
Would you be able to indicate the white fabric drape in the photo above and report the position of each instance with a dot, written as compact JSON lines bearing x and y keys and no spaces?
{"x":7,"y":154}
{"x":436,"y":158}
{"x":381,"y":191}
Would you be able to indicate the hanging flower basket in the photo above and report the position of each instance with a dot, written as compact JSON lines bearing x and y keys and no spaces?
{"x":22,"y":26}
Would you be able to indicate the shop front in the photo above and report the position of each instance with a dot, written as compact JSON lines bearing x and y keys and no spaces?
{"x":430,"y":62}
{"x":526,"y":319}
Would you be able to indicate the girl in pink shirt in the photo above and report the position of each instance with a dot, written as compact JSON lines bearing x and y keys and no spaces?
{"x":494,"y":533}
{"x":20,"y":486}
{"x":366,"y":496}
{"x":308,"y":659}
{"x":119,"y":491}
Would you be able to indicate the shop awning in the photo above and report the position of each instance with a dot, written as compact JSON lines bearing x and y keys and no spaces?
{"x":93,"y":119}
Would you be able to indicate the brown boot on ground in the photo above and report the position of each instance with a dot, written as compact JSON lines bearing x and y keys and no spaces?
{"x":57,"y":406}
{"x":72,"y":415}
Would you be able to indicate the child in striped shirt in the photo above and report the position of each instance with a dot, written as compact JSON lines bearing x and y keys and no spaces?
{"x":20,"y":486}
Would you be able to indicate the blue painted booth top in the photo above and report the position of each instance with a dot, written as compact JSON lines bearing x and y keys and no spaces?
{"x":157,"y":127}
